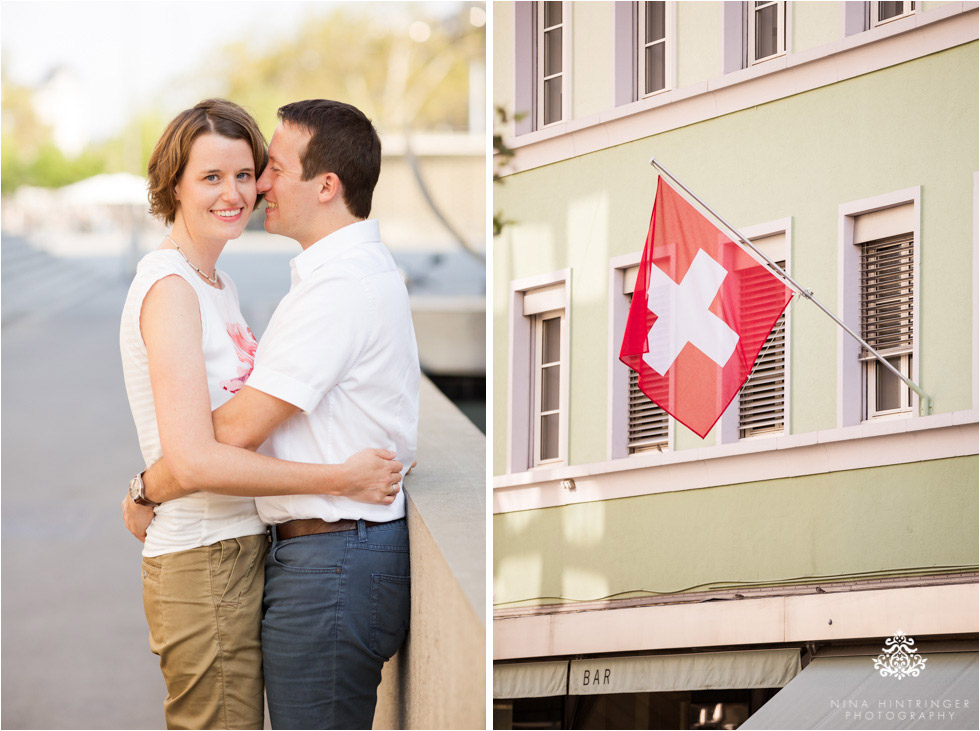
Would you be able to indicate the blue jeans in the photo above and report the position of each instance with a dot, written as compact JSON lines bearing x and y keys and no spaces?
{"x":336,"y":608}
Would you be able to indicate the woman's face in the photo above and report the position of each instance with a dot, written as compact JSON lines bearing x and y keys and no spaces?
{"x":216,"y":192}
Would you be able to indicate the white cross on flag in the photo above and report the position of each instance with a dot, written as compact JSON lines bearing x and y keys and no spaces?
{"x":701,"y":311}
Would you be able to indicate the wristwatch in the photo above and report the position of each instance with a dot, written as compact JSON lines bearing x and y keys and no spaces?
{"x":136,"y":492}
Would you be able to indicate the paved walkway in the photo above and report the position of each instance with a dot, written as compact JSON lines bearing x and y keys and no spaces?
{"x":74,"y":638}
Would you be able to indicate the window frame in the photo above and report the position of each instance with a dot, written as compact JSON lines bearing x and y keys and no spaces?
{"x":640,"y":45}
{"x":785,"y":392}
{"x":522,"y":384}
{"x":537,"y":328}
{"x":729,"y":426}
{"x":905,"y":409}
{"x":652,"y":446}
{"x":539,"y":76}
{"x":870,"y":365}
{"x":908,"y":8}
{"x":649,"y":446}
{"x":852,"y":380}
{"x":781,"y":31}
{"x":617,"y":389}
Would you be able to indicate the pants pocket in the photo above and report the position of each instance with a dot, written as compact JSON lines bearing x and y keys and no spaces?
{"x":390,"y":608}
{"x":154,"y":606}
{"x":235,"y":562}
{"x":318,"y":554}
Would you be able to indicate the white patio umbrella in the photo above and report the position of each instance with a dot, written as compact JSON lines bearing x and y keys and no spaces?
{"x":107,"y":189}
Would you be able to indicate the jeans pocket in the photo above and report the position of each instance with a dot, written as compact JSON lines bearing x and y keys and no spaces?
{"x":391,"y":598}
{"x":305,"y":556}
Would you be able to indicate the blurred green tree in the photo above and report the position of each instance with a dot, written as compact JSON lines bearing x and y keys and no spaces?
{"x":406,"y":70}
{"x":502,"y":155}
{"x":29,"y":154}
{"x":405,"y":67}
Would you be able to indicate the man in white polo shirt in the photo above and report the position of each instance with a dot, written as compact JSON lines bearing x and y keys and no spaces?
{"x":336,"y":371}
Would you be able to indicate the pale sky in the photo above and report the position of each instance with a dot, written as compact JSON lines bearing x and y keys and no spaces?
{"x":122,"y":53}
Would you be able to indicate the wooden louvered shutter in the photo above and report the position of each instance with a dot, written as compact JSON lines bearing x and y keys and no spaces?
{"x":648,"y":423}
{"x":886,"y":295}
{"x":761,"y":404}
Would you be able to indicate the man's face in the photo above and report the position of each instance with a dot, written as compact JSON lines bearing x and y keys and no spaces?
{"x":290,"y":200}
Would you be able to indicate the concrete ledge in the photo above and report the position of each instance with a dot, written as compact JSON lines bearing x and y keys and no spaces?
{"x":438,"y":679}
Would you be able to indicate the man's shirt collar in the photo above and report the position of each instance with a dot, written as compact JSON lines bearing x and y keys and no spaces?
{"x":334,"y":245}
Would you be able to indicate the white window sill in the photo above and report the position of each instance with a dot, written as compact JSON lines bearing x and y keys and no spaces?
{"x":889,"y":415}
{"x":767,"y":59}
{"x":549,"y":465}
{"x":836,"y":61}
{"x":932,"y":437}
{"x":656,"y":93}
{"x":879,"y":23}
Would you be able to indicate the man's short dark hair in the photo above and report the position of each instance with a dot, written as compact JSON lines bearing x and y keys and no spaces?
{"x":344,"y":142}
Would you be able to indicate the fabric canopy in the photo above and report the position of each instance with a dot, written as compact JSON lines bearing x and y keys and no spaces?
{"x":697,"y":671}
{"x":108,"y":189}
{"x":530,"y":679}
{"x":848,"y":692}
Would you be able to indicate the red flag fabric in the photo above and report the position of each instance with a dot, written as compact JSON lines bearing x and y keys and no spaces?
{"x":702,"y":309}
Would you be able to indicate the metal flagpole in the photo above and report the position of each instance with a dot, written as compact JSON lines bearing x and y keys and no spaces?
{"x":807,"y":294}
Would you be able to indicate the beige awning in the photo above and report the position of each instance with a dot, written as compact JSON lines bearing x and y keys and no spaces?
{"x":530,"y":679}
{"x":696,"y":671}
{"x":849,"y":693}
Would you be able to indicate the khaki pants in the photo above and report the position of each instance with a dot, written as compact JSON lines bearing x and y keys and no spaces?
{"x":204,"y":608}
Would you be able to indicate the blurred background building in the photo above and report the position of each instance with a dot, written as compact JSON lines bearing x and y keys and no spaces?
{"x":417,"y":71}
{"x":87,"y":88}
{"x":645,"y":577}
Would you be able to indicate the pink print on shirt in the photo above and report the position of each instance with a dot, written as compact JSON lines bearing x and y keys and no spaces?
{"x":245,"y":345}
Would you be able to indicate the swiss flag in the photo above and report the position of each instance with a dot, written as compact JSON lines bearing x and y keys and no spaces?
{"x":701,"y":311}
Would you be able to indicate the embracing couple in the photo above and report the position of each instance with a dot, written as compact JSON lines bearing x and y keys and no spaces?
{"x":273,"y":467}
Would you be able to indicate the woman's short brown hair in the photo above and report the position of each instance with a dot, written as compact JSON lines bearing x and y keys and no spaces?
{"x":169,"y":158}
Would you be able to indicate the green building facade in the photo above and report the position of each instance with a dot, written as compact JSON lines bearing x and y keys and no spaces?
{"x":830,"y":506}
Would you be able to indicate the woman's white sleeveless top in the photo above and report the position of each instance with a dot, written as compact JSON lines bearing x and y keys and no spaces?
{"x":201,"y":518}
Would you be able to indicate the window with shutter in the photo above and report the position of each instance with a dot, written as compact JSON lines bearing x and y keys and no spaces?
{"x":886,"y":322}
{"x":648,"y":423}
{"x":761,"y":402}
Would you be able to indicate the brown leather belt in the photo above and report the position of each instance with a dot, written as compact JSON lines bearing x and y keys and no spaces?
{"x":315,"y":526}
